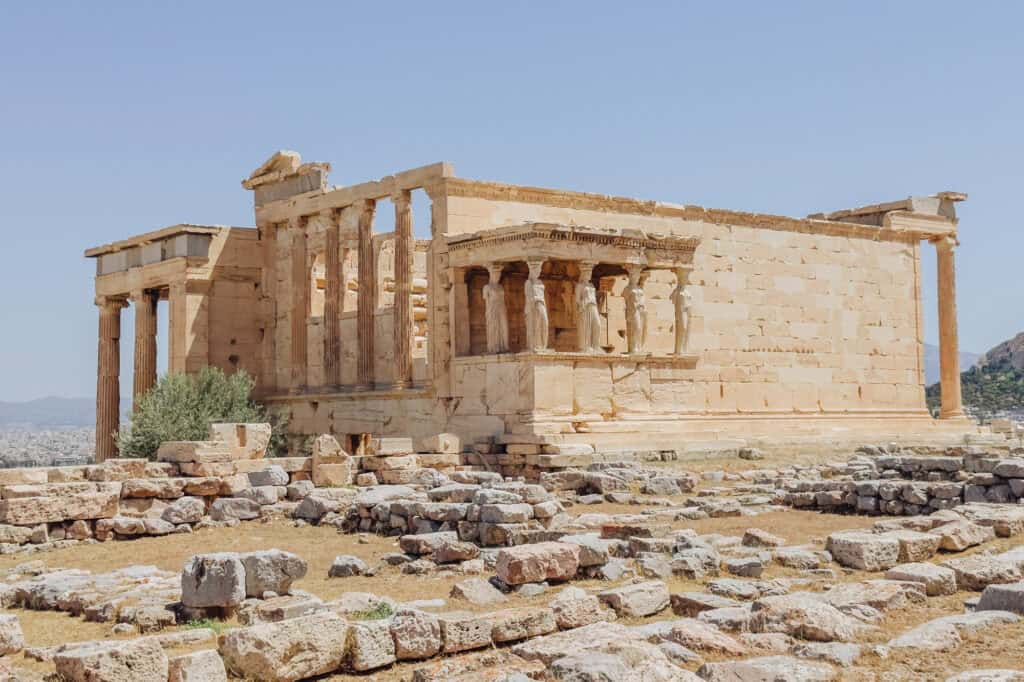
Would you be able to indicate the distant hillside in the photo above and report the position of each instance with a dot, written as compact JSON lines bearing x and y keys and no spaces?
{"x":50,"y":412}
{"x":1011,"y":351}
{"x":994,"y":385}
{"x":931,"y":362}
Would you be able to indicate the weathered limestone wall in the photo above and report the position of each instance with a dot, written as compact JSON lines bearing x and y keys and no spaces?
{"x":784,"y":322}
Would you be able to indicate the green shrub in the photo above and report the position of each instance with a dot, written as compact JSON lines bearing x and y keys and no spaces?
{"x":379,"y":612}
{"x":218,"y":626}
{"x":182,"y":407}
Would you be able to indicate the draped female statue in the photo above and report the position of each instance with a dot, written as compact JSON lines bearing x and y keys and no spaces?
{"x":495,"y":312}
{"x":536,"y":310}
{"x":681,"y":298}
{"x":636,"y":311}
{"x":589,"y":319}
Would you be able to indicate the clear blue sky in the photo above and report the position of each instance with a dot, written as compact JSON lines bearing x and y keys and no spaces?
{"x":117,"y":118}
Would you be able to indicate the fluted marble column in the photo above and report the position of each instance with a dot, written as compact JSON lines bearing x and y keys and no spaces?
{"x":367,"y":301}
{"x":333,"y":301}
{"x":949,"y":344}
{"x":108,"y":377}
{"x":145,"y":303}
{"x":403,"y":289}
{"x":300,"y":303}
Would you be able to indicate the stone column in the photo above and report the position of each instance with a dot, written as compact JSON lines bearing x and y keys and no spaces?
{"x":458,"y":310}
{"x":403,"y":289}
{"x":108,"y":377}
{"x":300,"y":303}
{"x":145,"y":343}
{"x":536,"y":309}
{"x":333,"y":298}
{"x":949,"y":345}
{"x":367,"y":301}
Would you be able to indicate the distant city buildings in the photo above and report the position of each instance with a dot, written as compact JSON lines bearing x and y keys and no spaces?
{"x":28,"y":446}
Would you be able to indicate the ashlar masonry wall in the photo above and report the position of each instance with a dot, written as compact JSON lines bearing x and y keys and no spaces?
{"x":787,"y":319}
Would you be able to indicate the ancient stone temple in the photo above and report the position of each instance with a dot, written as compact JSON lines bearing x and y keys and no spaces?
{"x":543,"y":319}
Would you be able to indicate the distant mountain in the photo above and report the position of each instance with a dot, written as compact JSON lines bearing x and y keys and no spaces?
{"x":1010,"y":352}
{"x":994,"y":385}
{"x":931,"y":362}
{"x":50,"y":412}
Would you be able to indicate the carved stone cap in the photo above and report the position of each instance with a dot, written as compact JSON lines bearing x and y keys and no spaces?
{"x":282,"y":165}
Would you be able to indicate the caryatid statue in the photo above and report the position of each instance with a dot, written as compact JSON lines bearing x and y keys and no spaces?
{"x":680,"y":298}
{"x":495,"y":311}
{"x":589,"y":319}
{"x":536,"y":310}
{"x":636,"y":310}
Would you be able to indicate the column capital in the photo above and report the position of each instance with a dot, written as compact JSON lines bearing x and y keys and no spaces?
{"x":331,"y":214}
{"x":535,"y":264}
{"x":586,"y":269}
{"x":111,"y":303}
{"x":494,"y":271}
{"x":948,"y":241}
{"x":401,"y":198}
{"x":298,"y":222}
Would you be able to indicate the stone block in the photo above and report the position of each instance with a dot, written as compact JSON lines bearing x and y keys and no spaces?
{"x":959,"y":535}
{"x":272,"y":475}
{"x":371,"y":646}
{"x":574,"y":608}
{"x":538,"y":562}
{"x":390,"y":446}
{"x":213,"y":580}
{"x":464,"y":631}
{"x":193,"y":452}
{"x":200,"y":666}
{"x":246,"y":441}
{"x":228,"y":508}
{"x":1007,"y":597}
{"x":638,"y":600}
{"x":271,"y":570}
{"x":29,"y":511}
{"x":937,"y":580}
{"x":138,"y":660}
{"x":510,"y":625}
{"x":865,"y":551}
{"x":293,"y":649}
{"x":417,"y":634}
{"x":441,"y":443}
{"x":915,"y":546}
{"x":184,"y":510}
{"x":12,"y":639}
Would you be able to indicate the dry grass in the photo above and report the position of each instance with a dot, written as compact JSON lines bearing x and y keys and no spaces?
{"x":995,"y":647}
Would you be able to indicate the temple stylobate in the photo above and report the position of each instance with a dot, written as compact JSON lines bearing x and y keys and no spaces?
{"x":542,"y":318}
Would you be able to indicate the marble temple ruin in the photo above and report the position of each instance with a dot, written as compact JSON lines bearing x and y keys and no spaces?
{"x":544,"y":321}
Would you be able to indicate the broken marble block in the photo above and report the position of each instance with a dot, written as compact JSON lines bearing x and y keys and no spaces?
{"x":138,"y":660}
{"x":271,"y":570}
{"x":213,"y":580}
{"x":538,"y":562}
{"x":200,"y":666}
{"x":864,"y":551}
{"x":293,"y":649}
{"x":637,"y":600}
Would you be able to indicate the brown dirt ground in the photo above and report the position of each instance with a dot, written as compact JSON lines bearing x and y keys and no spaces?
{"x":995,"y":647}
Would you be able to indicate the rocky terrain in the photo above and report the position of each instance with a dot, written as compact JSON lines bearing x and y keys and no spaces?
{"x":892,"y":564}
